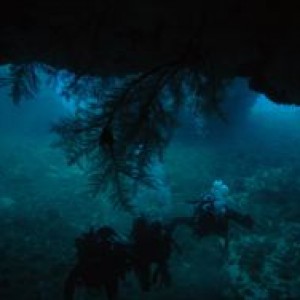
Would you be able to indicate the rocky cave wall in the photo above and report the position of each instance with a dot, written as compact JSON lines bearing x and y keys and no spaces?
{"x":255,"y":39}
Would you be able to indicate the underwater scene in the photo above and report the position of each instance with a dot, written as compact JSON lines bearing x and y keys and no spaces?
{"x":226,"y":197}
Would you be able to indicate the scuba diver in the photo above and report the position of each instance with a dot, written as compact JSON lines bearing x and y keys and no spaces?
{"x":152,"y":245}
{"x":212,"y":215}
{"x":102,"y":261}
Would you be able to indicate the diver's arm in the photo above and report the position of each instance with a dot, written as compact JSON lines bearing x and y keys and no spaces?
{"x":186,"y":221}
{"x":244,"y":220}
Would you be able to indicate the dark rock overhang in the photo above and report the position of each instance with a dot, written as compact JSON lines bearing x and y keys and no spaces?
{"x":254,"y":39}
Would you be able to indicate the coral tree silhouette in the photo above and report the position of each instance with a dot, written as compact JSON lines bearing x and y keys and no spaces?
{"x":124,"y":124}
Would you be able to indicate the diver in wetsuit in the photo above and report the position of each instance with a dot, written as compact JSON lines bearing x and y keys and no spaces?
{"x":141,"y":244}
{"x":102,"y":262}
{"x":212,"y":214}
{"x":163,"y":245}
{"x":152,"y":246}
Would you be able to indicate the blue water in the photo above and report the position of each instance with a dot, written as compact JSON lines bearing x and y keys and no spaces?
{"x":45,"y":204}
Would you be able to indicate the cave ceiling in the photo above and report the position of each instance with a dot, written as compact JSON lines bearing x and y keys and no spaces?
{"x":254,"y":39}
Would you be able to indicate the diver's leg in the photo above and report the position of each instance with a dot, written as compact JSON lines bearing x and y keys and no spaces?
{"x":224,"y":241}
{"x":143,"y":274}
{"x":112,"y":288}
{"x":165,"y":274}
{"x":161,"y":275}
{"x":70,"y":284}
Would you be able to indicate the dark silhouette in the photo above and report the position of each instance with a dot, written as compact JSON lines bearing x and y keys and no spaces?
{"x":212,"y":214}
{"x":163,"y":244}
{"x":152,"y":245}
{"x":141,"y":243}
{"x":207,"y":220}
{"x":102,"y":262}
